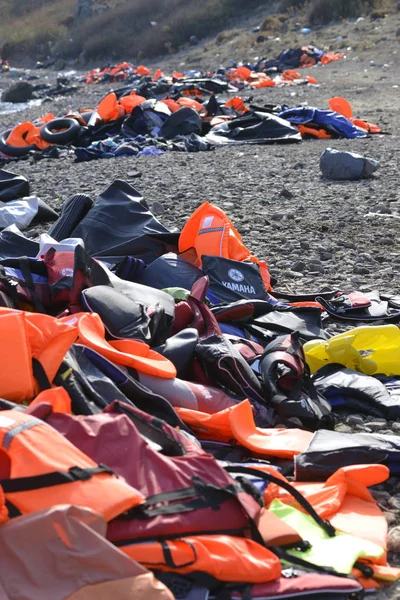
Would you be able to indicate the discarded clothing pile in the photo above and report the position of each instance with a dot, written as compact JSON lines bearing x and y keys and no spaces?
{"x":133,"y":122}
{"x":167,"y":417}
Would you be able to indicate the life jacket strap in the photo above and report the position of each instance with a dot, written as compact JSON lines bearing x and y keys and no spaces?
{"x":35,"y":482}
{"x":324,"y":524}
{"x":40,"y":375}
{"x":200,"y":495}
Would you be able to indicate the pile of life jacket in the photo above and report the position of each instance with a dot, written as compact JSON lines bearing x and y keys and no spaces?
{"x":152,"y":116}
{"x":167,"y":416}
{"x":293,"y":58}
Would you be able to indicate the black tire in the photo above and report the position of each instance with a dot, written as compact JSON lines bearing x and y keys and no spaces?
{"x":71,"y":128}
{"x":14,"y":151}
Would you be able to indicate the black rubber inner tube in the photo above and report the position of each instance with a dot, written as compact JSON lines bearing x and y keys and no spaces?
{"x":14,"y":151}
{"x":51,"y":133}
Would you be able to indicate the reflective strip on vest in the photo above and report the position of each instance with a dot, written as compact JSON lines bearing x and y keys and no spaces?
{"x":11,"y":433}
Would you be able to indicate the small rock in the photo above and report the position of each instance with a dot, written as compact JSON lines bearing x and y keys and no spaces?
{"x":363,"y":429}
{"x":299,"y":266}
{"x":365,"y":257}
{"x":343,"y":428}
{"x":19,"y":92}
{"x":360,"y":270}
{"x":381,"y":497}
{"x":134,"y":174}
{"x":396,"y":427}
{"x":59,"y":65}
{"x":398,"y":32}
{"x":394,"y":502}
{"x":304,"y":245}
{"x":276,"y":216}
{"x":157,"y":208}
{"x":394,"y":539}
{"x":293,"y":274}
{"x":286,"y":194}
{"x":377,"y":424}
{"x":387,"y":241}
{"x":349,"y":245}
{"x":383,"y":208}
{"x":391,"y":517}
{"x":354,"y":420}
{"x":316,"y":268}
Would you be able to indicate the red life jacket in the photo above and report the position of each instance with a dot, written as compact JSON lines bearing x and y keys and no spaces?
{"x":186,"y":490}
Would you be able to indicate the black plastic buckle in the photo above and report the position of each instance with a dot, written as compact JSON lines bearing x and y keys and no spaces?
{"x":80,"y":474}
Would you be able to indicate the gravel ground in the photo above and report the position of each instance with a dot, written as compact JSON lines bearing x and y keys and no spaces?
{"x":312,"y":232}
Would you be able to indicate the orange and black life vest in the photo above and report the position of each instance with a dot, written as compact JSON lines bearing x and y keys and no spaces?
{"x":39,"y":468}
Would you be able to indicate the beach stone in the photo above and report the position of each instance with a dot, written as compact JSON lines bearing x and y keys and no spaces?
{"x":22,"y":91}
{"x":354,"y":420}
{"x":377,"y":424}
{"x":394,"y":539}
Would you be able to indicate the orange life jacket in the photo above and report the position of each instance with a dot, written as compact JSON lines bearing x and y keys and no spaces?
{"x":109,"y":109}
{"x":158,"y":74}
{"x":261,"y":80}
{"x":192,"y":104}
{"x":142,"y":70}
{"x":238,"y":104}
{"x":209,"y":231}
{"x":39,"y":468}
{"x":314,"y":131}
{"x":243,"y":72}
{"x":227,"y":558}
{"x":237,"y":423}
{"x":131,"y":101}
{"x":345,"y":500}
{"x":290,"y":75}
{"x":25,"y":134}
{"x":330,"y":57}
{"x":172,"y":104}
{"x":57,"y":397}
{"x":27,"y":336}
{"x":131,"y":353}
{"x":370,"y":127}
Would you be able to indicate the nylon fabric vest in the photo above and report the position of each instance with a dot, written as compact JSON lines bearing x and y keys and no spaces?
{"x":39,"y":469}
{"x":237,"y":423}
{"x":209,"y":231}
{"x":227,"y":558}
{"x":186,"y":490}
